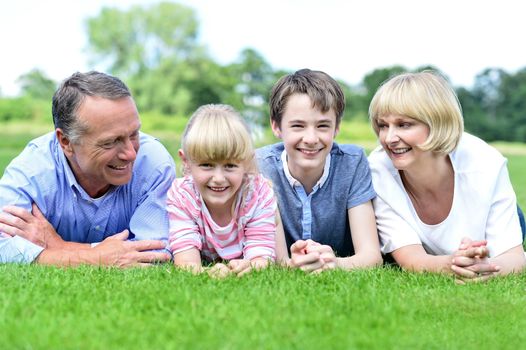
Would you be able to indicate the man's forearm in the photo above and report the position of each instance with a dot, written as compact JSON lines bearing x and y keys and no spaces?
{"x":69,"y":257}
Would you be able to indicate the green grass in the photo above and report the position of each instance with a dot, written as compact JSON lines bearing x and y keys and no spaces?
{"x":161,"y":307}
{"x":47,"y":308}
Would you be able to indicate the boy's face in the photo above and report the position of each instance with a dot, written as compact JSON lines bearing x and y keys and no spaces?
{"x":307,"y":134}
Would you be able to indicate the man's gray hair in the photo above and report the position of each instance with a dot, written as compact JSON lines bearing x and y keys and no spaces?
{"x":72,"y":92}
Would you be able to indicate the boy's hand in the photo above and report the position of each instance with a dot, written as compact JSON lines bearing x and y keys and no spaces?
{"x":303,"y":257}
{"x":326,"y":255}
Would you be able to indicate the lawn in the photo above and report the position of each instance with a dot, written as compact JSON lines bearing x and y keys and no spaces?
{"x":163,"y":308}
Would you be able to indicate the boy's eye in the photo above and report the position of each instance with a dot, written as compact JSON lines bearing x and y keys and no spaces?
{"x":324,"y":126}
{"x":205,"y":165}
{"x":231,"y":166}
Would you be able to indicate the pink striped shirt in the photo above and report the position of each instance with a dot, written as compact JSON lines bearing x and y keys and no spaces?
{"x":249,"y":235}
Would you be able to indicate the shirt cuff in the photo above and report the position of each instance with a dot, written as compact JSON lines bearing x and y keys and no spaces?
{"x":18,"y":250}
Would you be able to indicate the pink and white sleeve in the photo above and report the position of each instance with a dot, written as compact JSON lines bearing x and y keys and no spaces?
{"x":260,"y":230}
{"x":183,"y":228}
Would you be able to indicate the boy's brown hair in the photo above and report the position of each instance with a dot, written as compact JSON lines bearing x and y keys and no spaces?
{"x":324,"y":92}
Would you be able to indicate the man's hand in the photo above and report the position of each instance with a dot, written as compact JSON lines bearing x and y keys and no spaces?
{"x":117,"y":251}
{"x":33,"y":227}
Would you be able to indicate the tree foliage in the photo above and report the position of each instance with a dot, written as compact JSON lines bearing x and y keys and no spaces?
{"x":36,"y":84}
{"x":155,"y":50}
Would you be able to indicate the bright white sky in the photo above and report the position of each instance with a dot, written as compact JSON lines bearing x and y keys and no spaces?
{"x":345,"y":38}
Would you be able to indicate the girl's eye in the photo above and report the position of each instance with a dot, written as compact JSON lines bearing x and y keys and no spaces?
{"x":324,"y":126}
{"x":405,"y":125}
{"x":381,"y":125}
{"x":296,"y":126}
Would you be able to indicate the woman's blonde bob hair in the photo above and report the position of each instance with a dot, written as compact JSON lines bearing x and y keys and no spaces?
{"x":217,"y":132}
{"x":426,"y":97}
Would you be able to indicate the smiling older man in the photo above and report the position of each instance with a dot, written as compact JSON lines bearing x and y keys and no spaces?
{"x":91,"y":192}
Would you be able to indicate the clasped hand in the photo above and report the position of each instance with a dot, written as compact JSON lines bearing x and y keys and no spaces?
{"x":311,"y":256}
{"x":471,"y":262}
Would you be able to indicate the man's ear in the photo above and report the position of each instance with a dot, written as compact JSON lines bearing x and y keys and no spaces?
{"x":276,"y":130}
{"x":64,"y":142}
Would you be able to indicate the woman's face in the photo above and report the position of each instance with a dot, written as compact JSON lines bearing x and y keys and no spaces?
{"x":400,"y":136}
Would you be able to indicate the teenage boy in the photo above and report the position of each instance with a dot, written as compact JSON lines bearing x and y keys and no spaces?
{"x":324,"y":189}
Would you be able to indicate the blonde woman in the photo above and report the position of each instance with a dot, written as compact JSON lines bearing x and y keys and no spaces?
{"x":444,"y":202}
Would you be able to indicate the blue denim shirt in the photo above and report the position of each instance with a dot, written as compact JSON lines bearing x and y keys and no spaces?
{"x":41,"y":175}
{"x":323,"y":214}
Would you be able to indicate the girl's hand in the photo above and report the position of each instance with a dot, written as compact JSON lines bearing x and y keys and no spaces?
{"x":243,"y":266}
{"x":219,"y":270}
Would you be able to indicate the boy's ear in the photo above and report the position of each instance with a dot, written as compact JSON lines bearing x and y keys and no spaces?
{"x":336,"y":131}
{"x":276,"y":130}
{"x":64,"y":142}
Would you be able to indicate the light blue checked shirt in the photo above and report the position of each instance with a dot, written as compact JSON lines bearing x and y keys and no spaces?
{"x":41,"y":174}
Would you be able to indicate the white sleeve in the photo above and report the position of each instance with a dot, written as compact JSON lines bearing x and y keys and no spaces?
{"x":395,"y":232}
{"x":503,"y":230}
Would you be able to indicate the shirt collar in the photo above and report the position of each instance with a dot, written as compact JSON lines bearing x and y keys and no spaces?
{"x":294,"y":182}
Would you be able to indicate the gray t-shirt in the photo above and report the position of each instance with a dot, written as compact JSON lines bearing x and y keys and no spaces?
{"x":348,"y":185}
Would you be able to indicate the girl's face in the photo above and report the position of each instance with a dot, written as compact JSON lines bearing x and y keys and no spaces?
{"x":218,"y":182}
{"x":400,"y":136}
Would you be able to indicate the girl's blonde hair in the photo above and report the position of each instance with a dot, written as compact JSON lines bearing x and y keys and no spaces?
{"x":217,"y":132}
{"x":424,"y":96}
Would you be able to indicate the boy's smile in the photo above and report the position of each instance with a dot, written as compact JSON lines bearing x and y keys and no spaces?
{"x":308,"y":135}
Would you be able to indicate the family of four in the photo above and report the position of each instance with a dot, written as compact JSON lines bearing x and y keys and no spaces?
{"x":98,"y":191}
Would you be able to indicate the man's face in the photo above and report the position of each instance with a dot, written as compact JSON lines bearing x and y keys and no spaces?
{"x":308,"y":135}
{"x":105,"y":154}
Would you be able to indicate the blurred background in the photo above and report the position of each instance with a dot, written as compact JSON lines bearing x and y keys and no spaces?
{"x":178,"y":55}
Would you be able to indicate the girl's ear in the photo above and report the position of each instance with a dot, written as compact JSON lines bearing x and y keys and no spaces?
{"x":182,"y":156}
{"x":186,"y":167}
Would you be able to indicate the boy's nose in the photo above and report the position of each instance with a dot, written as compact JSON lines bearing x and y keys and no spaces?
{"x":310,"y":136}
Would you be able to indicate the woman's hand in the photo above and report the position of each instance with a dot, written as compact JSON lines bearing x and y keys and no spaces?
{"x":470,"y":262}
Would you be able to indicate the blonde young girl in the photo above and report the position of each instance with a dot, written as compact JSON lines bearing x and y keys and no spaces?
{"x":222,"y":209}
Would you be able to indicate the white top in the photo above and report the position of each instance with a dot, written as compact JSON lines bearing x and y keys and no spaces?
{"x":484,"y":203}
